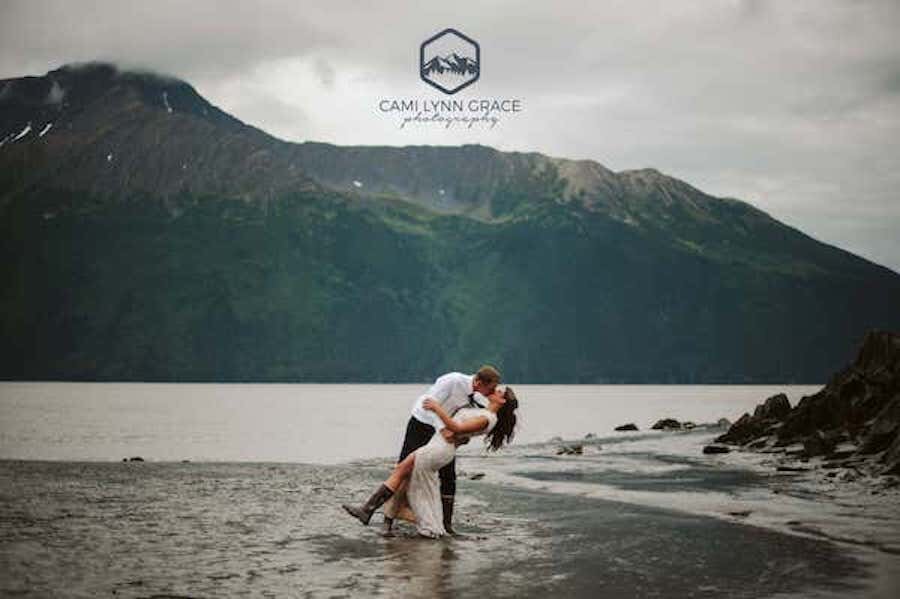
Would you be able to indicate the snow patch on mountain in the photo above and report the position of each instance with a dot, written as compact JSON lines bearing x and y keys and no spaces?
{"x":23,"y":133}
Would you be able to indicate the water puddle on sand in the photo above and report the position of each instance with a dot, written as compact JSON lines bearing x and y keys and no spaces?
{"x":669,"y":472}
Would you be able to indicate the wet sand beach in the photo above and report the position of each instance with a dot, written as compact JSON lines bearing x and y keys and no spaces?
{"x":256,"y":512}
{"x":276,"y":530}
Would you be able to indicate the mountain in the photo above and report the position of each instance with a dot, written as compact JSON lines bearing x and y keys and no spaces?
{"x":148,"y":235}
{"x":118,"y":133}
{"x":453,"y":62}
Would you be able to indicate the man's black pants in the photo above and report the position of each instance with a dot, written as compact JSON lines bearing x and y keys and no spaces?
{"x":417,"y":435}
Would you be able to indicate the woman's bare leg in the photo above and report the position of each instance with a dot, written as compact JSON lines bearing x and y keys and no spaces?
{"x":401,"y":473}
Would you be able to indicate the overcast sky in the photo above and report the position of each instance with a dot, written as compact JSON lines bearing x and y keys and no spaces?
{"x":792,"y":106}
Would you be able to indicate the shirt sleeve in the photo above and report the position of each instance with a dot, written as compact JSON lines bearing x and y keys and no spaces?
{"x":440,"y":390}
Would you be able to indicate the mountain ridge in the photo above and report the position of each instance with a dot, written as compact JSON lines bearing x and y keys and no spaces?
{"x":149,"y":79}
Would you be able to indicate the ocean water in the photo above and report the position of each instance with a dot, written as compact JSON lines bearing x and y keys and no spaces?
{"x":241,"y":489}
{"x":322,"y":424}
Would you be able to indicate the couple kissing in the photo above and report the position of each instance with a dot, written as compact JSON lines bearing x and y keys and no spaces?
{"x":422,"y":486}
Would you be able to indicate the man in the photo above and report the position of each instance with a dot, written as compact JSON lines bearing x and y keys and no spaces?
{"x":453,"y":391}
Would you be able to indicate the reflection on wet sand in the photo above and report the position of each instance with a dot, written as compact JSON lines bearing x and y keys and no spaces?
{"x":429,"y":565}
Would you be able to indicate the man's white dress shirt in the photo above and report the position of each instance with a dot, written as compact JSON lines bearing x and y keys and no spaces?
{"x":452,"y":392}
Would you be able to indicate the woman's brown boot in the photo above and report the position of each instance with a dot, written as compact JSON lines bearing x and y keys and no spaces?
{"x":364,"y":512}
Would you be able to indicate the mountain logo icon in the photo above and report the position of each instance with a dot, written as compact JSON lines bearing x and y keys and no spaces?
{"x":449,"y":61}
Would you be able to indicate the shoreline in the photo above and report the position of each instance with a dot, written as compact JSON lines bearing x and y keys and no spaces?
{"x":805,"y":484}
{"x":226,"y":528}
{"x":530,"y":496}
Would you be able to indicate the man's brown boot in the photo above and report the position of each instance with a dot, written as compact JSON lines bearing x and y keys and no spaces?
{"x":364,"y":512}
{"x":388,"y":529}
{"x":447,"y":502}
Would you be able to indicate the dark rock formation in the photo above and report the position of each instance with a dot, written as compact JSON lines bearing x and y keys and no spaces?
{"x":627,"y":427}
{"x":710,"y":449}
{"x":765,"y":419}
{"x":856,"y":416}
{"x":776,"y":407}
{"x":819,"y":443}
{"x":666,"y":424}
{"x":570,"y":450}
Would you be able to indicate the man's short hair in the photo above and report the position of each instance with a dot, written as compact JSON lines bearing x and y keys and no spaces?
{"x":488,"y":374}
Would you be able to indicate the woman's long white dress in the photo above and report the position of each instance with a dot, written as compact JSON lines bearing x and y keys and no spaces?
{"x":423,"y":490}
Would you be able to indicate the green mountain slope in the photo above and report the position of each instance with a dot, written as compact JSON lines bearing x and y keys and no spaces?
{"x":149,"y":236}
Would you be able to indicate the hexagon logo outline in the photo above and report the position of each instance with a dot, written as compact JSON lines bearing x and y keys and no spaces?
{"x":440,"y":69}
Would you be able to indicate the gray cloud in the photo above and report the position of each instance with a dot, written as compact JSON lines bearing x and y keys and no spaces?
{"x":793,"y":106}
{"x":325,"y":72}
{"x":187,"y":39}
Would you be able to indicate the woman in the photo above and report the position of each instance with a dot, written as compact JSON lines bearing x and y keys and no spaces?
{"x":419,"y":471}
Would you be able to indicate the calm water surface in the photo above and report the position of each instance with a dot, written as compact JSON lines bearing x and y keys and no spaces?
{"x":323,"y":424}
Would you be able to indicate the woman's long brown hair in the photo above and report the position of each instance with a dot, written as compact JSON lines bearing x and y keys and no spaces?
{"x":505,"y":429}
